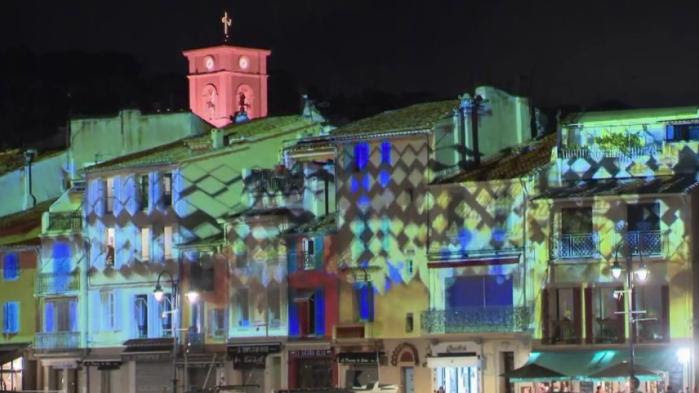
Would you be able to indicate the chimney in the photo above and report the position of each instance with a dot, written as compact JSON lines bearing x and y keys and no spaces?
{"x":216,"y":138}
{"x":29,"y":198}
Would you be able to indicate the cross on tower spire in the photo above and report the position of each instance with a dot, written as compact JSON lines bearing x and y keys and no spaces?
{"x":226,"y":21}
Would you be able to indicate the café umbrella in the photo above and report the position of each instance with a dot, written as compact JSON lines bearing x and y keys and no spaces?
{"x":533,"y":372}
{"x":621,"y":372}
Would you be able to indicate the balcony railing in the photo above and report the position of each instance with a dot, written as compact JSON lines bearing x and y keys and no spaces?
{"x":609,"y":331}
{"x":65,"y":222}
{"x":488,"y":319}
{"x":644,"y":242}
{"x":268,"y":181}
{"x":56,"y":283}
{"x":577,"y":245}
{"x":652,"y":331}
{"x":597,"y":152}
{"x":57,"y":341}
{"x":195,"y":341}
{"x":564,"y":331}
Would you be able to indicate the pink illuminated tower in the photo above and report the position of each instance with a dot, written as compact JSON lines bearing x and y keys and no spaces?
{"x":226,"y":80}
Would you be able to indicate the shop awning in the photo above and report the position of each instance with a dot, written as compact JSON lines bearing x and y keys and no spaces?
{"x":453,"y":361}
{"x":584,"y":363}
{"x":11,"y":352}
{"x":534,"y":373}
{"x":621,"y":372}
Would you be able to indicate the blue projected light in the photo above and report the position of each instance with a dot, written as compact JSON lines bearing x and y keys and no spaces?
{"x":499,"y":234}
{"x":354,"y":184}
{"x":366,"y":182}
{"x":465,"y":237}
{"x":386,"y":153}
{"x":364,"y":201}
{"x":394,"y":271}
{"x":361,"y":155}
{"x":384,"y":178}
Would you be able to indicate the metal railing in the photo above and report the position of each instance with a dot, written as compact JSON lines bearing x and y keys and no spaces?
{"x":644,"y":242}
{"x":56,"y":341}
{"x":195,"y":341}
{"x":55,"y":283}
{"x":598,"y":152}
{"x":62,"y":222}
{"x":576,"y":245}
{"x":268,"y":181}
{"x":487,"y":319}
{"x":608,"y":330}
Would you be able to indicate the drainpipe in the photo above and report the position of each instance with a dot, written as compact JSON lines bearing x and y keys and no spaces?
{"x":29,"y":198}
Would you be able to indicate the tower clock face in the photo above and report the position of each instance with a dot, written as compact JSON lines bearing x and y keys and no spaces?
{"x":243,"y":62}
{"x":209,"y":63}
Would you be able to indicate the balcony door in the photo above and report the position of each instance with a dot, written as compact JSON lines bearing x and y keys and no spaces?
{"x":643,"y":235}
{"x":576,"y":239}
{"x":478,"y":291}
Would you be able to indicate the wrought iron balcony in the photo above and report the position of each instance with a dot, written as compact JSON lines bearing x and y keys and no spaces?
{"x":65,"y":222}
{"x":272,"y":181}
{"x":488,"y":319}
{"x":57,"y":341}
{"x":644,"y":242}
{"x":576,"y":245}
{"x":195,"y":341}
{"x":56,"y":283}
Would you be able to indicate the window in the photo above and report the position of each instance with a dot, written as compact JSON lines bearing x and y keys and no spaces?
{"x":655,"y":301}
{"x":141,"y":315}
{"x":564,"y":315}
{"x":10,"y":320}
{"x":217,"y":323}
{"x":576,"y":240}
{"x":61,"y":316}
{"x":10,"y":266}
{"x":307,"y":313}
{"x":364,"y":295}
{"x":202,"y":276}
{"x":167,"y":241}
{"x":111,"y":246}
{"x":196,"y":317}
{"x":242,"y":308}
{"x":145,"y":244}
{"x":409,"y":322}
{"x":110,"y":194}
{"x":607,"y":324}
{"x":643,"y":234}
{"x":478,"y":291}
{"x":144,"y":191}
{"x":309,"y":251}
{"x":167,"y":189}
{"x":108,"y":310}
{"x":165,"y":309}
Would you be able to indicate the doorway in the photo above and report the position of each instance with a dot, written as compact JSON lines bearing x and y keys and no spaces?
{"x":408,"y":379}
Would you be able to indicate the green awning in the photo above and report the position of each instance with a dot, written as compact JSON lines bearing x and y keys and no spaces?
{"x":621,"y":372}
{"x":534,"y":373}
{"x":581,"y":364}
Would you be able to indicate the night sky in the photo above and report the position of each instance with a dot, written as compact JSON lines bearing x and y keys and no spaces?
{"x":561,"y":53}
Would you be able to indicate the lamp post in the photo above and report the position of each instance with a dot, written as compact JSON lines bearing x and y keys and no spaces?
{"x":159,"y":295}
{"x":641,"y":275}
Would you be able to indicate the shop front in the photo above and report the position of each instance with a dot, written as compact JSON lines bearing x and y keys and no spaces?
{"x":312,"y":367}
{"x":456,"y":367}
{"x":103,"y":374}
{"x":257,"y":366}
{"x":359,"y":368}
{"x":17,"y":372}
{"x":149,"y":365}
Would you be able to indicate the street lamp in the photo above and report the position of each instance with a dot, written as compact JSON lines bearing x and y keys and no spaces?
{"x":159,"y":295}
{"x":641,"y":274}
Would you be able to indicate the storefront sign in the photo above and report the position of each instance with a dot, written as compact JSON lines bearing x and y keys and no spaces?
{"x":311,"y":353}
{"x":466,"y":348}
{"x":252,"y":356}
{"x":358,"y":357}
{"x":103,"y":364}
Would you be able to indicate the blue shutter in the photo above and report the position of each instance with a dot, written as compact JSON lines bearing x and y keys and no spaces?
{"x":73,"y":315}
{"x":293,"y":318}
{"x":49,"y":318}
{"x":11,"y":266}
{"x":14,"y":317}
{"x":386,"y":153}
{"x":319,"y":312}
{"x":365,"y":301}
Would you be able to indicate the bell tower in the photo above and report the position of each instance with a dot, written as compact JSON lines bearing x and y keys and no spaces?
{"x":227,"y":81}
